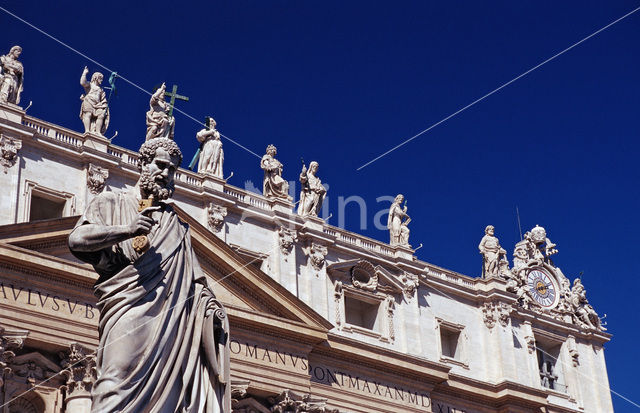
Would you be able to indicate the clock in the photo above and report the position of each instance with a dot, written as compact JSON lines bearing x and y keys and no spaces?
{"x":543,"y":287}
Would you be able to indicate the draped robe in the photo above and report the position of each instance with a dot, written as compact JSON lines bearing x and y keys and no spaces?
{"x":158,"y":352}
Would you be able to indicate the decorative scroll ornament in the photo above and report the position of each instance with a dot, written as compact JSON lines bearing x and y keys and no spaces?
{"x":96,"y":178}
{"x":80,"y":370}
{"x":496,"y":311}
{"x":390,"y":304}
{"x":409,"y":284}
{"x":215,"y":217}
{"x":290,"y":402}
{"x":287,"y":238}
{"x":317,"y":254}
{"x":10,"y":342}
{"x":338,"y":293}
{"x":363,"y":276}
{"x":9,"y":151}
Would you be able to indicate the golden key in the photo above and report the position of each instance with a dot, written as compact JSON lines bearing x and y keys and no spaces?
{"x":141,"y":242}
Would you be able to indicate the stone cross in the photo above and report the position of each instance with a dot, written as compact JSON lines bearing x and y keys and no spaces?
{"x":174,"y":95}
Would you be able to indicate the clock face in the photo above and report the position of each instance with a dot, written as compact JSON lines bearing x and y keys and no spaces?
{"x":543,"y":288}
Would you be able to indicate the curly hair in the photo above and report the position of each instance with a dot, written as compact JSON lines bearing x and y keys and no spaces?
{"x":271,"y":147}
{"x":148,"y":150}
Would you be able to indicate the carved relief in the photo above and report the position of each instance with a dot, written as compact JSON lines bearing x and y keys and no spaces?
{"x":215,"y":217}
{"x":409,"y":285}
{"x":363,"y":275}
{"x":80,"y":370}
{"x":290,"y":402}
{"x":573,"y":350}
{"x":9,"y":151}
{"x":10,"y":342}
{"x":287,"y":238}
{"x":389,"y":305}
{"x":316,"y":254}
{"x":96,"y":178}
{"x":531,"y":343}
{"x":337,"y":298}
{"x":32,"y":368}
{"x":488,"y":315}
{"x":496,"y":311}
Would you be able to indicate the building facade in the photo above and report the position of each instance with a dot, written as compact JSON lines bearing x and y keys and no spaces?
{"x":322,"y":319}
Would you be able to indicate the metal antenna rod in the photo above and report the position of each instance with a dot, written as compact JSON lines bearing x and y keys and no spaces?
{"x":519,"y":226}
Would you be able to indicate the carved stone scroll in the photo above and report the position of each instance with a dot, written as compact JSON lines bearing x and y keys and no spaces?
{"x":215,"y":217}
{"x":96,"y":178}
{"x":8,"y":151}
{"x":287,"y":238}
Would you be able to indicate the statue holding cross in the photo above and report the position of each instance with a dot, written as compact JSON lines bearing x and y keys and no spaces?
{"x":160,"y":120}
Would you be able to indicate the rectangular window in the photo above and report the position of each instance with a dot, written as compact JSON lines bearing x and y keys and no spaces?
{"x":362,"y":313}
{"x":453,"y":343}
{"x":450,"y":340}
{"x":549,"y":366}
{"x":43,"y":207}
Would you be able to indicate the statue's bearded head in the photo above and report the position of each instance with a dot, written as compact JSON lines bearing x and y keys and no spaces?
{"x":15,"y":51}
{"x":97,"y":78}
{"x":159,"y":159}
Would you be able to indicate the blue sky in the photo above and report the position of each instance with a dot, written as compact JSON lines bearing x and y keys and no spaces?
{"x":343,"y":82}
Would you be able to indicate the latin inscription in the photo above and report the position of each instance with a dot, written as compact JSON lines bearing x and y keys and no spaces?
{"x":44,"y":301}
{"x":330,"y":376}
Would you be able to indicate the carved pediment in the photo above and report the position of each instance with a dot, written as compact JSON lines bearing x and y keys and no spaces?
{"x":363,"y":275}
{"x":33,"y":367}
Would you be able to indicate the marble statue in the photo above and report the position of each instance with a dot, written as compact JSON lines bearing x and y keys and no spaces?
{"x":583,"y":313}
{"x":312,"y":193}
{"x":273,"y":186}
{"x":211,"y":153}
{"x":94,"y":111}
{"x":398,"y":223}
{"x":164,"y":343}
{"x":11,"y":76}
{"x":159,"y":123}
{"x":546,"y":248}
{"x":492,"y":253}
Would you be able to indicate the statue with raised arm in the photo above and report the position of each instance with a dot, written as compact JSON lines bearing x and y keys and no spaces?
{"x":492,"y":253}
{"x":398,"y":223}
{"x":312,"y":193}
{"x":94,"y":111}
{"x":273,"y":185}
{"x":159,"y":123}
{"x":164,"y":344}
{"x":211,"y":153}
{"x":11,"y":76}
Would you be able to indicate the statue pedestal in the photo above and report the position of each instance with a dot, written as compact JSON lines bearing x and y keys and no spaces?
{"x":95,"y":141}
{"x":403,"y":253}
{"x":213,"y":182}
{"x":11,"y":112}
{"x":281,"y":205}
{"x":314,"y":223}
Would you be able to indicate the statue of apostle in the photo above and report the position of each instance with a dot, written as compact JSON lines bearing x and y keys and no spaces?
{"x":398,"y":223}
{"x":211,"y":153}
{"x":273,"y":186}
{"x":159,"y":123}
{"x":11,"y":76}
{"x":312,"y":193}
{"x":164,"y":343}
{"x":94,"y":111}
{"x":491,"y":252}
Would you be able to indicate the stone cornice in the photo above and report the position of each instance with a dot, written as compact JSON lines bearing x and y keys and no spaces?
{"x":500,"y":395}
{"x":354,"y":352}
